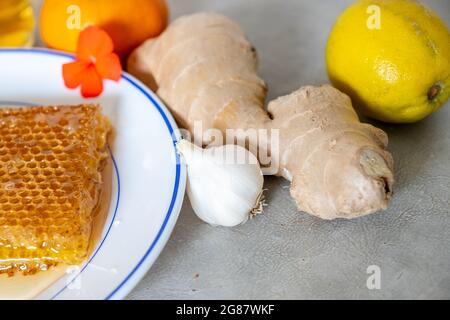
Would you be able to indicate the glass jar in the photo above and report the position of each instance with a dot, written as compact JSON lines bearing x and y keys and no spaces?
{"x":16,"y":23}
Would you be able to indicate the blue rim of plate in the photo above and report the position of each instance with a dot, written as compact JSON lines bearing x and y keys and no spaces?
{"x":135,"y":83}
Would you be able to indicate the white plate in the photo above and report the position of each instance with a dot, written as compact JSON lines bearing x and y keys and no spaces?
{"x":148,"y":181}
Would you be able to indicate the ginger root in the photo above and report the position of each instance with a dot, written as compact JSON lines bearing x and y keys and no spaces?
{"x":205,"y":70}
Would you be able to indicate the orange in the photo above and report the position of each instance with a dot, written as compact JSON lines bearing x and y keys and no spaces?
{"x":128,"y":22}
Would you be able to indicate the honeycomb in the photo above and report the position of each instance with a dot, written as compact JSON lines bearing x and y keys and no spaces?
{"x":51,"y":159}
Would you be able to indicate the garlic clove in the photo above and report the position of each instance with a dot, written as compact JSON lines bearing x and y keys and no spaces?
{"x":224,"y":183}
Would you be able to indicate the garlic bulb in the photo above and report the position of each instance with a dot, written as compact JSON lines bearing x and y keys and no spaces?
{"x":224,"y":183}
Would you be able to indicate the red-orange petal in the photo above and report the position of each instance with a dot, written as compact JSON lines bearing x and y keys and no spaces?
{"x":73,"y":73}
{"x":93,"y":42}
{"x":92,"y":85}
{"x":109,"y":67}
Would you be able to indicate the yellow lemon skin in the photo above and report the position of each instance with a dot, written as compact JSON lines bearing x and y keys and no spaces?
{"x":392,"y":57}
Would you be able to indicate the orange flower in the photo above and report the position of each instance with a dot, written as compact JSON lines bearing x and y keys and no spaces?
{"x":95,"y":61}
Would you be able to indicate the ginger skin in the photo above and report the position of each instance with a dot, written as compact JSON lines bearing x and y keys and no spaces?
{"x":205,"y":70}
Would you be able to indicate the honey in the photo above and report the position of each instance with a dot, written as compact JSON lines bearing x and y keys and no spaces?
{"x":22,"y":287}
{"x":51,"y":163}
{"x":16,"y":23}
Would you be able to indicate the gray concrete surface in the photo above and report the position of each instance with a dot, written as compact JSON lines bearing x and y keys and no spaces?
{"x":284,"y":254}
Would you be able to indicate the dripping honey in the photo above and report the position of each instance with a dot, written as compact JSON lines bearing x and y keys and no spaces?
{"x":51,"y":163}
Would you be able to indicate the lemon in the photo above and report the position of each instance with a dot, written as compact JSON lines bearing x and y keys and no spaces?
{"x":392,"y":57}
